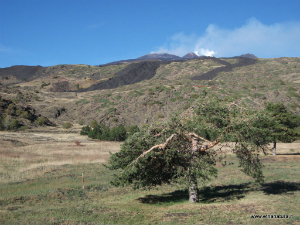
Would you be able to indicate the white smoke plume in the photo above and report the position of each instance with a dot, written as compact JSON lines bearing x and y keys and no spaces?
{"x":265,"y":41}
{"x":205,"y":52}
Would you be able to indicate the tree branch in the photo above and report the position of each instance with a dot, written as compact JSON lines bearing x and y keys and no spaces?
{"x":161,"y":146}
{"x":193,"y":140}
{"x":196,"y":135}
{"x":212,"y":144}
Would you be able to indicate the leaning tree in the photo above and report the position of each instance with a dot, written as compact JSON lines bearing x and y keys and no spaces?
{"x":186,"y":149}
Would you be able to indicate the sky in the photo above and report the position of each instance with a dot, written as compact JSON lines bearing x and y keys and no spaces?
{"x":94,"y":32}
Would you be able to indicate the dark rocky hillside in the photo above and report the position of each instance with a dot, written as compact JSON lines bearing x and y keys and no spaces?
{"x":22,"y":72}
{"x":15,"y":116}
{"x":133,"y":73}
{"x":210,"y":75}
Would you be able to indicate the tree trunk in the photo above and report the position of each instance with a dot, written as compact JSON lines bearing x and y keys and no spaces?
{"x":274,"y":148}
{"x":193,"y":178}
{"x":193,"y":191}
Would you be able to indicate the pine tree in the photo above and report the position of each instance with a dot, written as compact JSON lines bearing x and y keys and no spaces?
{"x":175,"y":152}
{"x":284,"y":126}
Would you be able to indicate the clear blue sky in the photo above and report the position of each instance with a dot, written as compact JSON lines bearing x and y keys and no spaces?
{"x":51,"y":32}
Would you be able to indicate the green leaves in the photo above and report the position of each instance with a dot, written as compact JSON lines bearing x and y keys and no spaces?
{"x":177,"y":161}
{"x":284,"y":125}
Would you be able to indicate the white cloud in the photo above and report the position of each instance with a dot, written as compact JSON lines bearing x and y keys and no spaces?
{"x":276,"y":40}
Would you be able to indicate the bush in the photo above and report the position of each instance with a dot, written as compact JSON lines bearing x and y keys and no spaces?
{"x":93,"y":123}
{"x":117,"y":133}
{"x":26,"y":115}
{"x":11,"y":106}
{"x":19,"y":112}
{"x":23,"y":128}
{"x":41,"y":121}
{"x":160,"y":116}
{"x":14,"y":124}
{"x":103,"y":132}
{"x":9,"y":111}
{"x":16,"y":100}
{"x":81,"y":122}
{"x":1,"y":123}
{"x":67,"y":125}
{"x":85,"y":130}
{"x":93,"y":133}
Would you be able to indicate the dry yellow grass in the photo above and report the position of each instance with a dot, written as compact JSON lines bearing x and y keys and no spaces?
{"x":26,"y":155}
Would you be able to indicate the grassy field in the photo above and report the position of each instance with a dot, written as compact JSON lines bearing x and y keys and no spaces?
{"x":53,"y":193}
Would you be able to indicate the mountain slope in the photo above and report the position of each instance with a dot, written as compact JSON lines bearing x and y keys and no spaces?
{"x":148,"y":91}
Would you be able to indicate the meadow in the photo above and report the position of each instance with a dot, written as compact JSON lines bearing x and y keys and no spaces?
{"x":41,"y":183}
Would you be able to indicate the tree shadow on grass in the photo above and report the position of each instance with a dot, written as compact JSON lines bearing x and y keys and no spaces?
{"x":223,"y":193}
{"x":173,"y":197}
{"x":288,"y":153}
{"x":280,"y":187}
{"x":206,"y":195}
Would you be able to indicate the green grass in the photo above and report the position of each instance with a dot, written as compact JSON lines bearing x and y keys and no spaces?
{"x":83,"y":101}
{"x":58,"y":197}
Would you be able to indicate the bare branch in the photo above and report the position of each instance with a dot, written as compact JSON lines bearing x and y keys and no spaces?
{"x":161,"y":146}
{"x":212,"y":144}
{"x":196,"y":135}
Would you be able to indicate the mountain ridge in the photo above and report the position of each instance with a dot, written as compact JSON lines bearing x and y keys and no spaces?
{"x":170,"y":57}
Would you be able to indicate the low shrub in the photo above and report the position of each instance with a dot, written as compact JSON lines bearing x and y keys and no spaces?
{"x":19,"y":112}
{"x":23,"y":128}
{"x":14,"y":124}
{"x":160,"y":116}
{"x":26,"y":115}
{"x":41,"y":121}
{"x":67,"y":125}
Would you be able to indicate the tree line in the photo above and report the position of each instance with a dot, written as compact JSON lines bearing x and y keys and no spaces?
{"x":104,"y":133}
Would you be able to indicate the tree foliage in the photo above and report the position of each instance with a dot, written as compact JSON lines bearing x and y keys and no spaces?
{"x":184,"y":149}
{"x":284,"y":125}
{"x":103,"y":132}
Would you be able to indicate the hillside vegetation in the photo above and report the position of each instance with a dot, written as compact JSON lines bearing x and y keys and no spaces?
{"x":172,"y":86}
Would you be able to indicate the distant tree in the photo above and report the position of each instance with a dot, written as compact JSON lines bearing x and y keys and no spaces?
{"x":85,"y":130}
{"x":93,"y":123}
{"x":117,"y":133}
{"x":105,"y":133}
{"x":284,"y":125}
{"x":175,"y":152}
{"x":93,"y":133}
